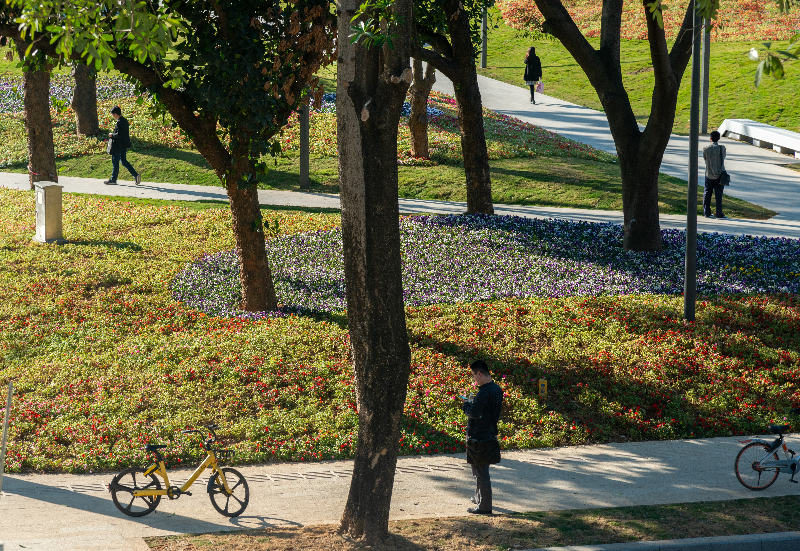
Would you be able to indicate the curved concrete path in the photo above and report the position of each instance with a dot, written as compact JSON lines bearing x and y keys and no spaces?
{"x":775,"y":227}
{"x":756,"y":173}
{"x":75,"y":512}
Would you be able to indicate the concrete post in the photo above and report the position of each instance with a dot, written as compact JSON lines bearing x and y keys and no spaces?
{"x":48,"y":213}
{"x":304,"y":147}
{"x":484,"y":32}
{"x":690,"y":275}
{"x":705,"y":77}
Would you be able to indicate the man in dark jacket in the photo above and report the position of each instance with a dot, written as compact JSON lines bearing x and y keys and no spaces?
{"x":120,"y":142}
{"x":483,"y":449}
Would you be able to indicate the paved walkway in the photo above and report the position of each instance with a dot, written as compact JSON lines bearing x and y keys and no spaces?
{"x":75,"y":512}
{"x":775,"y":227}
{"x":756,"y":173}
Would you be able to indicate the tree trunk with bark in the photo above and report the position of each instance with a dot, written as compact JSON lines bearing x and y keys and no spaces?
{"x":455,"y":58}
{"x":84,"y":100}
{"x":372,"y":85}
{"x":640,"y":152}
{"x":258,"y":291}
{"x":39,"y":126}
{"x":418,"y":118}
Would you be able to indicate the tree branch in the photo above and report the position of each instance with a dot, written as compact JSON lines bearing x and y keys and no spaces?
{"x":610,"y":25}
{"x":446,"y":66}
{"x":560,"y":24}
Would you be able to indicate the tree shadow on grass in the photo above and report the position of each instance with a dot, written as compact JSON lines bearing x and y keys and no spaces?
{"x":653,"y":396}
{"x":118,"y":245}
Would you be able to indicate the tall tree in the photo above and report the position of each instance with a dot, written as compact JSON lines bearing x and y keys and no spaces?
{"x":373,"y":78}
{"x":420,"y":91}
{"x":451,"y":28}
{"x":640,"y":152}
{"x":84,"y":100}
{"x":38,"y":123}
{"x":239,"y":69}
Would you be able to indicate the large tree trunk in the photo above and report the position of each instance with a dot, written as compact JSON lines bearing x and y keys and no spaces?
{"x":258,"y":291}
{"x":456,"y":60}
{"x":39,"y":127}
{"x":372,"y":84}
{"x":418,"y":119}
{"x":84,"y":100}
{"x":640,"y":152}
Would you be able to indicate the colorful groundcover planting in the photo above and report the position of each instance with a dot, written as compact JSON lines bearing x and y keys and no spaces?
{"x":506,"y":137}
{"x":739,"y":20}
{"x":105,"y":360}
{"x":491,"y":257}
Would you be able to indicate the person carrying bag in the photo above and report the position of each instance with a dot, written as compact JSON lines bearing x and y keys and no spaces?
{"x":716,"y":176}
{"x":533,"y":73}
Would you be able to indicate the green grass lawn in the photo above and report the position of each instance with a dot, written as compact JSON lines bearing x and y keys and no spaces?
{"x":731,"y":91}
{"x":104,"y":360}
{"x":529,"y":166}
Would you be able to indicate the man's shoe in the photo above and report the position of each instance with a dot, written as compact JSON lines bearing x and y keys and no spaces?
{"x":107,"y":182}
{"x":138,"y":179}
{"x":710,"y":216}
{"x":721,"y":217}
{"x":476,"y":511}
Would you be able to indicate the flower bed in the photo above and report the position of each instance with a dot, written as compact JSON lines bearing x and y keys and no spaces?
{"x":506,"y":137}
{"x":104,"y":360}
{"x":739,"y":20}
{"x":491,"y":257}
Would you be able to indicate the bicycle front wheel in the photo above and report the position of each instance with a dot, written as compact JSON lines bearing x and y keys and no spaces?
{"x":749,"y":470}
{"x":125,"y":483}
{"x":229,"y":504}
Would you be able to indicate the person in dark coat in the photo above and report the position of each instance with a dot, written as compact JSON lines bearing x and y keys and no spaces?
{"x":120,"y":143}
{"x":714,"y":156}
{"x":533,"y":71}
{"x":483,"y":448}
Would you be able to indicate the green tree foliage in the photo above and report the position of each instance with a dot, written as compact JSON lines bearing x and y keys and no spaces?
{"x":229,"y":72}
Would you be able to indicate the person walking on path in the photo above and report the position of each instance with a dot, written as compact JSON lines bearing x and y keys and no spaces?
{"x":483,"y":449}
{"x":120,"y":143}
{"x":714,"y":156}
{"x":533,"y":71}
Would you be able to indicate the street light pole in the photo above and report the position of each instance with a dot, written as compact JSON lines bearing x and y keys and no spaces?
{"x":690,"y":276}
{"x":304,"y":147}
{"x":484,"y":25}
{"x":706,"y":64}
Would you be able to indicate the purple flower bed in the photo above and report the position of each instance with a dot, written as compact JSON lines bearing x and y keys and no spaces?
{"x":329,"y":106}
{"x":61,"y":87}
{"x":468,"y":258}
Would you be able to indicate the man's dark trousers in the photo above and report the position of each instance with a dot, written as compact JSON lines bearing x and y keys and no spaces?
{"x":712,"y":186}
{"x":118,"y":155}
{"x":483,"y":487}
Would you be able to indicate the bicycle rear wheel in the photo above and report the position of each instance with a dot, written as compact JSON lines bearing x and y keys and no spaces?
{"x":125,"y":483}
{"x":749,"y":470}
{"x":233,"y":504}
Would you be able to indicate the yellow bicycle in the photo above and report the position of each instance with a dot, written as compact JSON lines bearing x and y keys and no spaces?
{"x":137,"y":492}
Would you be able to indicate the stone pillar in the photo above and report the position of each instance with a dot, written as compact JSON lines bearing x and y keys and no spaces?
{"x":48,"y":213}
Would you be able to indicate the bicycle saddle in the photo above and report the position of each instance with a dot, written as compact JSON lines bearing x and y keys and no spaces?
{"x":155,"y":447}
{"x":778,"y":429}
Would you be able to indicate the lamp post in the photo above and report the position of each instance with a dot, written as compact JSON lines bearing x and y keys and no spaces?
{"x":304,"y":147}
{"x":706,"y":64}
{"x":690,"y":275}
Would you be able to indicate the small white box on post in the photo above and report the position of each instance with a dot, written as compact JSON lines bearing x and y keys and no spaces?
{"x":48,"y":213}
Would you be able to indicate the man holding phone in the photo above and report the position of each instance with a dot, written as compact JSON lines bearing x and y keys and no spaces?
{"x":483,"y":448}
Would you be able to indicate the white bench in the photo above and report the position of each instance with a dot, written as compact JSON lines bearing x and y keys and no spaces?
{"x":762,"y":135}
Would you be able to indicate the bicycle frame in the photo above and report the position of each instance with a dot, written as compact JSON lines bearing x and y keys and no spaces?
{"x":160,"y":469}
{"x":788,"y":464}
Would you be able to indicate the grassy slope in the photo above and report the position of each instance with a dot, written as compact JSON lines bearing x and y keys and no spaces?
{"x":523,"y":530}
{"x":731,"y":93}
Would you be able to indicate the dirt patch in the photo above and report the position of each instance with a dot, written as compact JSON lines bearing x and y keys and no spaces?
{"x":521,"y":531}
